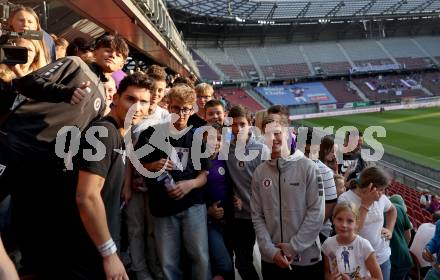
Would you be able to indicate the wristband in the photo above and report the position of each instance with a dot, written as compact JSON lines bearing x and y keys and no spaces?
{"x":108,"y":248}
{"x":365,"y":208}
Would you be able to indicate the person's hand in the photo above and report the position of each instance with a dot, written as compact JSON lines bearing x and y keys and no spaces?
{"x":216,"y":212}
{"x":158,"y":165}
{"x":285,"y":247}
{"x":368,"y":196}
{"x":237,"y":203}
{"x":181,"y":189}
{"x":282,"y":260}
{"x":386,"y":233}
{"x":113,"y":268}
{"x":80,"y":92}
{"x":339,"y":276}
{"x":17,"y":70}
{"x":427,"y":255}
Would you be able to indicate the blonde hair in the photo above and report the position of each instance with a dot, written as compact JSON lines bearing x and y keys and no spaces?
{"x":37,"y":21}
{"x":259,"y":117}
{"x":182,"y":93}
{"x":338,"y":177}
{"x":39,"y":59}
{"x":346,"y":206}
{"x":204,"y":88}
{"x":6,"y":74}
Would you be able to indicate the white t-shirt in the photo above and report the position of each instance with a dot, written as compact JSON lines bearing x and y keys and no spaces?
{"x":424,"y":234}
{"x":373,"y":224}
{"x":329,"y":191}
{"x":160,"y":115}
{"x":349,"y":258}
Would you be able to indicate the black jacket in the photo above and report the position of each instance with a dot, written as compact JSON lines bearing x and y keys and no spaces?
{"x":33,"y":126}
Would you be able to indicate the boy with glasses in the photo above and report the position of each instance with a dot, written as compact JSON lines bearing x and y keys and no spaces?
{"x":178,"y":205}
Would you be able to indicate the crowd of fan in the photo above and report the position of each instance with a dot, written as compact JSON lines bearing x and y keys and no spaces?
{"x":75,"y":217}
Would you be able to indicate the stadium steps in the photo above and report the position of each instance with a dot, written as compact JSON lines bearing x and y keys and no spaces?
{"x":387,"y":52}
{"x":358,"y":91}
{"x":235,"y":64}
{"x":417,"y":44}
{"x":307,"y":60}
{"x":257,"y":67}
{"x":252,"y":93}
{"x":344,"y":52}
{"x":210,"y":64}
{"x":426,"y":91}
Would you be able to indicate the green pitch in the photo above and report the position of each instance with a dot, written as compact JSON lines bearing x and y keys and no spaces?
{"x":411,"y":134}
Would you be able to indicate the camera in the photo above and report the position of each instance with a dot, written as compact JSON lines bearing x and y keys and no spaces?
{"x":13,"y":54}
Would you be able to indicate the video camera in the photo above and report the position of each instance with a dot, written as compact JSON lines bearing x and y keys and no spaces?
{"x":9,"y":54}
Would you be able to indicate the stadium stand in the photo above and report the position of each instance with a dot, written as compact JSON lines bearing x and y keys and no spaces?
{"x":326,"y":56}
{"x":430,"y":45}
{"x":223,"y":62}
{"x":389,"y":87}
{"x":365,"y":52}
{"x":205,"y":70}
{"x":431,"y":81}
{"x":406,"y":53}
{"x":341,"y":91}
{"x":329,"y":58}
{"x":416,"y":213}
{"x":239,"y":96}
{"x":243,"y":61}
{"x":284,"y":61}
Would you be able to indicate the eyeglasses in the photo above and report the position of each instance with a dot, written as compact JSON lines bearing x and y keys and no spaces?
{"x":184,"y":111}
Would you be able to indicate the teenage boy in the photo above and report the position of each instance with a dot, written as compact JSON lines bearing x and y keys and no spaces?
{"x":204,"y":93}
{"x":139,"y":220}
{"x":214,"y":112}
{"x":95,"y":238}
{"x":243,"y":145}
{"x":34,"y":169}
{"x":287,"y":209}
{"x":177,"y":205}
{"x":218,"y":197}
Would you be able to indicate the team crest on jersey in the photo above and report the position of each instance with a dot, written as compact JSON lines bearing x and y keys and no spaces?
{"x":240,"y":164}
{"x":97,"y":104}
{"x":2,"y":169}
{"x":221,"y":171}
{"x":267,"y":183}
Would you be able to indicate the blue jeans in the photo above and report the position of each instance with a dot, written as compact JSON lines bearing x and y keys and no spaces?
{"x":432,"y":274}
{"x":386,"y":269}
{"x":221,"y":263}
{"x":189,"y":227}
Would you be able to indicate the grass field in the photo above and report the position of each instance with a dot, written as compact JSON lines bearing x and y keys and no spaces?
{"x":411,"y":134}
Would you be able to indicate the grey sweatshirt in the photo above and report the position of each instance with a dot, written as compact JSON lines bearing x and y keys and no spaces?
{"x":241,"y":173}
{"x":288,"y":207}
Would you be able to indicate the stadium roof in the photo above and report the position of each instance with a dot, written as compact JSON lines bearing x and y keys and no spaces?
{"x":273,"y":12}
